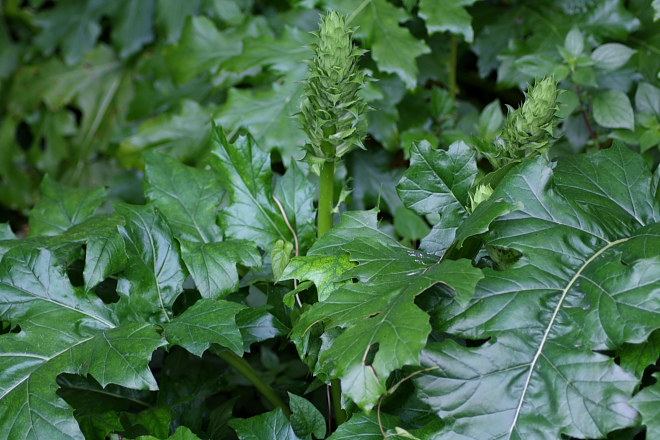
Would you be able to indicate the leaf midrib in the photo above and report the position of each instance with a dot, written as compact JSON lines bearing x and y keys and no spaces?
{"x":539,"y":351}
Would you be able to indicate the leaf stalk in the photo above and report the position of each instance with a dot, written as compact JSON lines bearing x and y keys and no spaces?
{"x":243,"y":367}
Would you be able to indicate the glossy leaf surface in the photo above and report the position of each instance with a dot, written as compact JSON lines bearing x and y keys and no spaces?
{"x":63,"y":330}
{"x":438,"y":182}
{"x":383,"y":329}
{"x":586,"y":280}
{"x":187,"y":197}
{"x":244,"y":170}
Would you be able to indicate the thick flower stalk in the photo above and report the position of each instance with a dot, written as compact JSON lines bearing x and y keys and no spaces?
{"x":332,"y":112}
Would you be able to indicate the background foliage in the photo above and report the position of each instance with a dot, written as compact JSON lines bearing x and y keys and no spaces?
{"x":146,"y":148}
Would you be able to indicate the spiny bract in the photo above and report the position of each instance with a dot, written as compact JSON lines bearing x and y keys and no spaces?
{"x":332,"y":112}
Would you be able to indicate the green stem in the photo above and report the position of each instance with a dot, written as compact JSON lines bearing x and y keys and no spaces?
{"x":250,"y":374}
{"x":453,"y":88}
{"x":326,"y":192}
{"x":325,"y":223}
{"x":335,"y":390}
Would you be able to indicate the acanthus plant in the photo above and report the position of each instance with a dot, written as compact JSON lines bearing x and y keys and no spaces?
{"x":530,"y":310}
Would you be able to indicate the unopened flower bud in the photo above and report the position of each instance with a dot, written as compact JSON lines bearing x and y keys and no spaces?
{"x":332,"y":113}
{"x":529,"y":130}
{"x":481,"y":194}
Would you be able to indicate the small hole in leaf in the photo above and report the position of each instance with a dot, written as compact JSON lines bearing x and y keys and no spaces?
{"x":6,"y":327}
{"x":476,"y":342}
{"x":371,"y":354}
{"x":373,"y":315}
{"x":608,"y":353}
{"x":503,"y":258}
{"x":185,"y":300}
{"x":24,"y":136}
{"x":76,"y":112}
{"x":75,"y":272}
{"x":107,"y":291}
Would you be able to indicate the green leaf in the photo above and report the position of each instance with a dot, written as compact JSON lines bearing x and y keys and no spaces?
{"x":181,"y":433}
{"x":61,"y":207}
{"x":98,"y":87}
{"x":373,"y":180}
{"x":62,"y":331}
{"x":306,"y":419}
{"x":612,"y":109}
{"x":269,"y":426}
{"x":365,"y":427}
{"x":647,"y":402}
{"x":647,"y":99}
{"x":157,"y":420}
{"x":171,"y":17}
{"x":296,"y":194}
{"x":480,"y":220}
{"x":267,"y":114}
{"x":447,"y":16}
{"x":154,"y":278}
{"x":586,"y":76}
{"x":574,"y":42}
{"x":490,"y":120}
{"x":100,"y":425}
{"x":22,"y":270}
{"x":280,"y":256}
{"x":5,"y":232}
{"x":409,"y":225}
{"x":105,"y":252}
{"x":353,"y":224}
{"x":438,"y":182}
{"x":132,"y":26}
{"x":588,"y":238}
{"x":537,"y":65}
{"x":72,"y":27}
{"x":322,"y":270}
{"x":636,"y":357}
{"x":279,"y":55}
{"x":656,"y":8}
{"x":213,"y":265}
{"x":244,"y":170}
{"x":384,"y":329}
{"x":611,"y":56}
{"x":97,"y":408}
{"x":258,"y":324}
{"x":202,"y":48}
{"x":182,"y":134}
{"x":392,"y":47}
{"x":187,"y":197}
{"x":206,"y":322}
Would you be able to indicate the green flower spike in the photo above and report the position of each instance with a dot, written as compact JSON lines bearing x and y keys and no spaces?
{"x":529,"y":130}
{"x":332,"y":113}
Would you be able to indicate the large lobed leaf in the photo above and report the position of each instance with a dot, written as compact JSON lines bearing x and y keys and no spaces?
{"x":268,"y":114}
{"x":586,"y":281}
{"x":62,"y":330}
{"x":253,"y":214}
{"x":59,"y":328}
{"x":438,"y":182}
{"x":383,"y":328}
{"x":59,"y":207}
